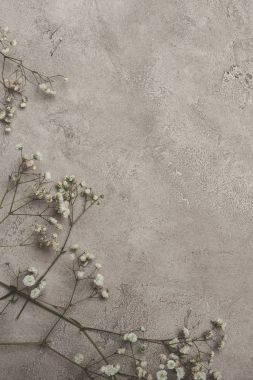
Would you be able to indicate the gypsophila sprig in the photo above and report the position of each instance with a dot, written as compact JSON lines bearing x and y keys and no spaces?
{"x":15,"y":78}
{"x":53,"y":211}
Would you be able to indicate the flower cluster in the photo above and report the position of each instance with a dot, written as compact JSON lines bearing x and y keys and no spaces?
{"x":81,"y":263}
{"x":15,"y":77}
{"x":44,"y":239}
{"x":110,"y":369}
{"x":88,"y":193}
{"x":66,"y":193}
{"x":6,"y":43}
{"x":47,"y":89}
{"x":29,"y":281}
{"x":182,"y":357}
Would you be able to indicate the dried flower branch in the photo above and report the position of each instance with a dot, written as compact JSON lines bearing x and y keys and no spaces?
{"x":14,"y":77}
{"x":55,"y":210}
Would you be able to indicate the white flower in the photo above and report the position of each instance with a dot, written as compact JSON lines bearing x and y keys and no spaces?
{"x":5,"y":50}
{"x":174,"y":342}
{"x":83,"y":258}
{"x":185,"y":349}
{"x":74,"y":247}
{"x":42,"y":284}
{"x":52,"y":220}
{"x":141,"y":373}
{"x":95,"y":198}
{"x":29,"y":280}
{"x":173,"y":357}
{"x":110,"y":369}
{"x":87,"y":191}
{"x":199,"y":376}
{"x":43,"y":86}
{"x":33,"y":270}
{"x":130,"y":337}
{"x":66,"y":79}
{"x":80,"y":275}
{"x":37,"y":156}
{"x":143,"y":329}
{"x":13,"y":43}
{"x":78,"y":358}
{"x":171,"y":364}
{"x":98,"y":266}
{"x":161,"y":375}
{"x":35,"y":293}
{"x":217,"y":375}
{"x":121,"y":351}
{"x":90,"y":256}
{"x":219,"y":323}
{"x":186,"y":332}
{"x":105,"y":294}
{"x":19,"y":146}
{"x":180,"y":373}
{"x":99,"y":280}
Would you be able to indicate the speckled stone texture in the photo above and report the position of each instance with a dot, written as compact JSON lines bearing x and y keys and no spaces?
{"x":156,"y":118}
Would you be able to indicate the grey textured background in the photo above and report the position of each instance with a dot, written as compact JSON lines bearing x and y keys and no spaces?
{"x":149,"y":120}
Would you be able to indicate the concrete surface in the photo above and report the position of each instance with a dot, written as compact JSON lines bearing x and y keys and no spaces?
{"x":149,"y":119}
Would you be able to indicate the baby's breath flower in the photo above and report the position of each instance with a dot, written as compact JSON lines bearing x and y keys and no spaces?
{"x":37,"y":156}
{"x":216,"y":375}
{"x":141,"y":373}
{"x":110,"y":369}
{"x":219,"y":323}
{"x":130,"y":337}
{"x":19,"y":146}
{"x":80,"y":275}
{"x":105,"y":294}
{"x":180,"y":371}
{"x":221,"y":344}
{"x":142,"y":329}
{"x":173,"y":342}
{"x":42,"y":284}
{"x":173,"y":357}
{"x":35,"y":293}
{"x":29,"y":280}
{"x":83,"y":258}
{"x":186,"y":332}
{"x":74,"y":247}
{"x":161,"y":375}
{"x":78,"y":358}
{"x":171,"y":364}
{"x":185,"y":349}
{"x":22,"y":105}
{"x":99,"y":280}
{"x":33,"y":270}
{"x":98,"y":266}
{"x":199,"y":376}
{"x":90,"y":256}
